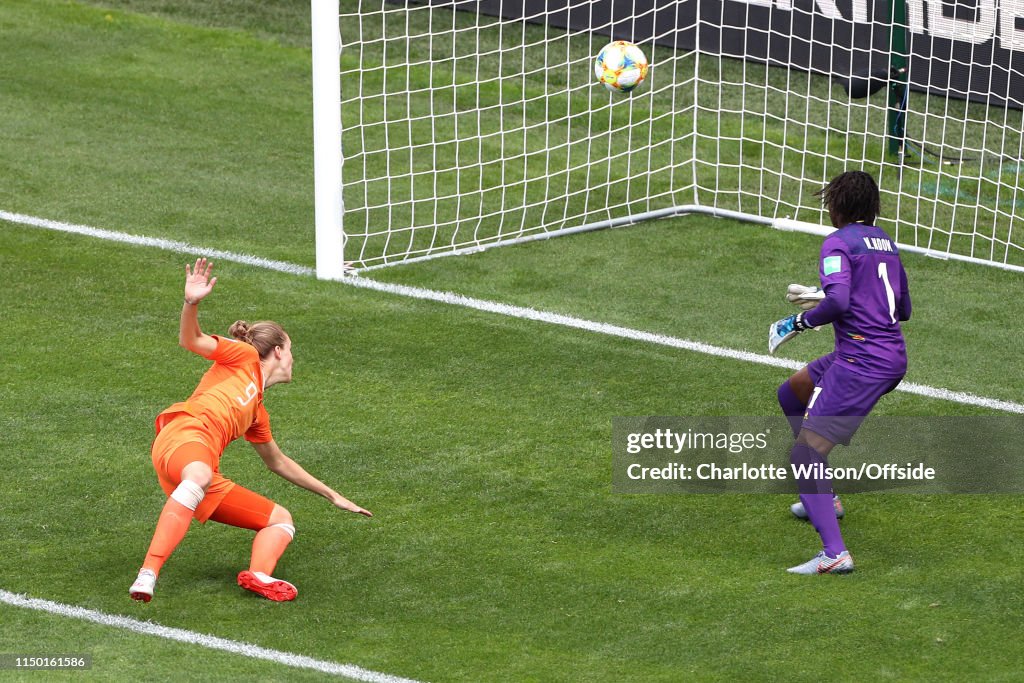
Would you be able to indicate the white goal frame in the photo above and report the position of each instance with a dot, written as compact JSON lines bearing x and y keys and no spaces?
{"x":333,"y":262}
{"x":329,"y":206}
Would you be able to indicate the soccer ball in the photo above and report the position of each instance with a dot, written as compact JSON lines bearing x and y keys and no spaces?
{"x":620,"y":66}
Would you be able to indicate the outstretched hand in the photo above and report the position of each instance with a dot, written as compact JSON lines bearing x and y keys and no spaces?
{"x":346,"y":504}
{"x":781,"y":331}
{"x":198,"y":282}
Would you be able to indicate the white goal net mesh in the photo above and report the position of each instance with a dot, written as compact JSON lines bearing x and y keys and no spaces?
{"x":462,"y":130}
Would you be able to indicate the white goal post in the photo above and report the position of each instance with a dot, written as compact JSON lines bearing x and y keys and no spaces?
{"x":328,"y":203}
{"x":450,"y":126}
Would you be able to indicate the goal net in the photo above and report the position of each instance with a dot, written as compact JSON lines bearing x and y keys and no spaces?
{"x":466,"y":125}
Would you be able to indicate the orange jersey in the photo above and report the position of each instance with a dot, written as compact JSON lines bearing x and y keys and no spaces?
{"x":229,"y":398}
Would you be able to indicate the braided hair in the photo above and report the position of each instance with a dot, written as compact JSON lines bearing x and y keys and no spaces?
{"x":851,"y":197}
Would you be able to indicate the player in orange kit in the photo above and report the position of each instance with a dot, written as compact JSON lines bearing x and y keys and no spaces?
{"x":191,"y":436}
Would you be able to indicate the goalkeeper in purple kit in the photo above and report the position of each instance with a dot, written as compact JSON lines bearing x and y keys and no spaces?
{"x":864,"y":296}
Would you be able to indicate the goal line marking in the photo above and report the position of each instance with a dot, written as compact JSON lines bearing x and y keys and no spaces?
{"x":190,"y":637}
{"x":521,"y":312}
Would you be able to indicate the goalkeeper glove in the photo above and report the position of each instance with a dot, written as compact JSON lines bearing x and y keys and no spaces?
{"x":804,"y":297}
{"x":781,"y":331}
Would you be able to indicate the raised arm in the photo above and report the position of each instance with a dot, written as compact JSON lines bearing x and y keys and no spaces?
{"x":286,"y":468}
{"x":198,"y":284}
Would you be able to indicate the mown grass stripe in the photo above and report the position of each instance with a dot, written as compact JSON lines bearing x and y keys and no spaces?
{"x":521,"y":312}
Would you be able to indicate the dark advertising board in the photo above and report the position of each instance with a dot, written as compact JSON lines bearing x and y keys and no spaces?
{"x":969,"y":49}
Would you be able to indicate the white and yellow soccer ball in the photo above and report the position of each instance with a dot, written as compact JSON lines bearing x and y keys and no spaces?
{"x":621,"y":66}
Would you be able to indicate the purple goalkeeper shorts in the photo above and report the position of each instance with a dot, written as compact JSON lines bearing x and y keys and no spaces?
{"x":841,"y":399}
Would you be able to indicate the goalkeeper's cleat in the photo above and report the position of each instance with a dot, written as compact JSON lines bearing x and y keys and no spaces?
{"x":804,"y":297}
{"x":823,"y":564}
{"x":143,"y":587}
{"x":781,"y":331}
{"x":800,"y":513}
{"x":267,"y":586}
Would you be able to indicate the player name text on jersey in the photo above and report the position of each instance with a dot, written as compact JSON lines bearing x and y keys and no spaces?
{"x":879,"y":244}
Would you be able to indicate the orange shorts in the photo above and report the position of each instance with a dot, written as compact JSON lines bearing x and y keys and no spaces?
{"x":183,"y":440}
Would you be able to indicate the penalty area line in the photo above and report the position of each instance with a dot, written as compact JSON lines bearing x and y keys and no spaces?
{"x":521,"y":312}
{"x":211,"y":642}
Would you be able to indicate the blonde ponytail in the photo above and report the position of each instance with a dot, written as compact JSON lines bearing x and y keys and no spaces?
{"x":265,"y":335}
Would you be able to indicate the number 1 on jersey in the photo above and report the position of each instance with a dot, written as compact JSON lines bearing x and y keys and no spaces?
{"x":883,"y":273}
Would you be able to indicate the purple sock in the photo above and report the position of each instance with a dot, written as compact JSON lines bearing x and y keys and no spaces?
{"x":792,"y":406}
{"x":816,"y":495}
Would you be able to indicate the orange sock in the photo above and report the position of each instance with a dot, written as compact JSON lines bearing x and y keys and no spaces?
{"x":269,"y":545}
{"x":170,"y":529}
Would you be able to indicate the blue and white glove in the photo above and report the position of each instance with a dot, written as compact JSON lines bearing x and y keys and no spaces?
{"x":781,"y":331}
{"x":804,"y":297}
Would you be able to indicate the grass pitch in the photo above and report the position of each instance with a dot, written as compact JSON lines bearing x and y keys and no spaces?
{"x":481,"y":443}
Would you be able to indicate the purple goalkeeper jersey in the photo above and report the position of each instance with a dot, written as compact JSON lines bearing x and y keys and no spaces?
{"x":865,"y":259}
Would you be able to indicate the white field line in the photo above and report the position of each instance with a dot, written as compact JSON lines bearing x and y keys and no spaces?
{"x":660,"y":339}
{"x":168,"y":245}
{"x":499,"y":308}
{"x":211,"y":642}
